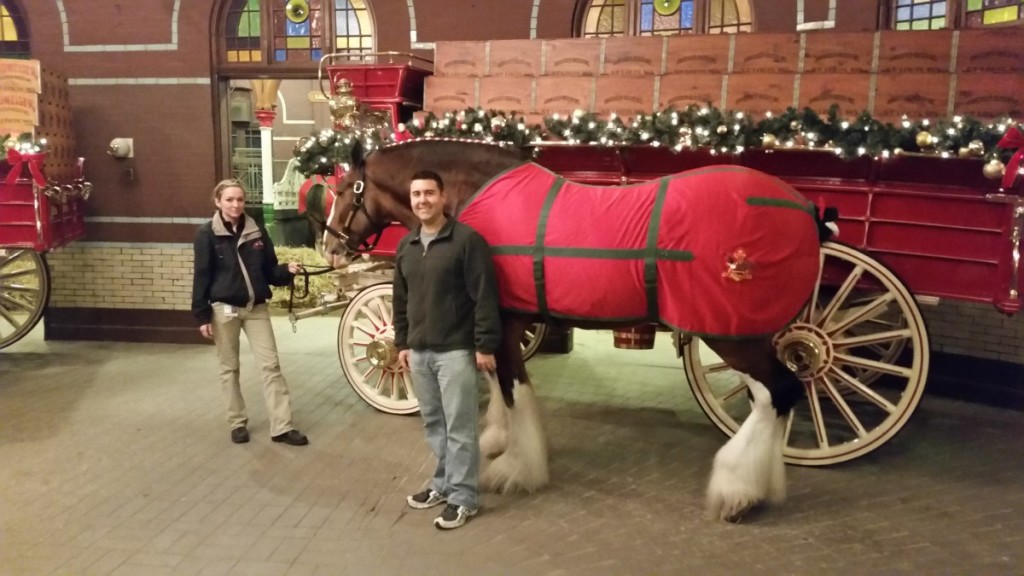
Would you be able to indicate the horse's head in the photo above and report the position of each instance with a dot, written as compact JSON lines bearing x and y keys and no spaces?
{"x":352,"y":226}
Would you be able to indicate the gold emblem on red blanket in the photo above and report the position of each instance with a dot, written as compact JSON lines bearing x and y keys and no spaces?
{"x":737,"y":267}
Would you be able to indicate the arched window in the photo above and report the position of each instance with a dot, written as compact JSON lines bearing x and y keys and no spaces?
{"x":13,"y":31}
{"x":939,"y":14}
{"x":602,"y":18}
{"x":294,"y":32}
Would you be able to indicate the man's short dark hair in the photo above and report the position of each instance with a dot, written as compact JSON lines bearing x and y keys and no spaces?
{"x":429,"y":175}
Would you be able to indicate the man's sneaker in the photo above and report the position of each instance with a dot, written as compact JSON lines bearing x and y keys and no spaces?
{"x":453,"y":516}
{"x":426,"y":499}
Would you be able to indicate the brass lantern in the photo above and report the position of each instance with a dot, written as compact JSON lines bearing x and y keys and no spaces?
{"x":343,"y":104}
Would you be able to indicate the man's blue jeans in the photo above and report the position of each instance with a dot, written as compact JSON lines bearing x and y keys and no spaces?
{"x":446,"y":386}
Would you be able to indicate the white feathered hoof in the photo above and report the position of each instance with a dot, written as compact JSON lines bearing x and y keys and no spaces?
{"x":749,"y":470}
{"x":523,"y":466}
{"x":494,"y":437}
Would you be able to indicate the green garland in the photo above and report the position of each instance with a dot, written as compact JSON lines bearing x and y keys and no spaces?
{"x":726,"y":132}
{"x":320,"y":152}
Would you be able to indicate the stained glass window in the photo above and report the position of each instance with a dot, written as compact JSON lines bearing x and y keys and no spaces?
{"x":605,"y":18}
{"x":670,"y":18}
{"x":13,"y":33}
{"x":353,"y":28}
{"x":295,"y":31}
{"x":664,"y":17}
{"x":920,"y":14}
{"x":298,"y":30}
{"x":243,"y":32}
{"x":989,"y":12}
{"x":729,"y":17}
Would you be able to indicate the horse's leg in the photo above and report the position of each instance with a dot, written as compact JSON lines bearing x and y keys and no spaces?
{"x":522,"y":464}
{"x":748,"y":470}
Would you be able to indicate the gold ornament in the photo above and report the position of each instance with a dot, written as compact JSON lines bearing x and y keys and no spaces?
{"x":769,"y":141}
{"x":722,"y":129}
{"x":10,"y":143}
{"x":343,"y":104}
{"x":297,"y":10}
{"x":794,"y":125}
{"x":976,"y":147}
{"x":994,"y":169}
{"x":964,"y":152}
{"x":924,"y":139}
{"x":897,"y":151}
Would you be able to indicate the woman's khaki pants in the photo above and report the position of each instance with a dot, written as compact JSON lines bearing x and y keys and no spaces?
{"x":260,"y":333}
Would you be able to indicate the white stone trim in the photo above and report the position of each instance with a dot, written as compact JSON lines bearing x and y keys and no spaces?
{"x":533,"y":19}
{"x":144,"y":220}
{"x":85,"y":244}
{"x":802,"y":26}
{"x":173,"y":45}
{"x":136,"y":81}
{"x":284,"y":112}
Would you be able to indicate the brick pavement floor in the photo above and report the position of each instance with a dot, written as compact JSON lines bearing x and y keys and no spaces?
{"x":115,"y":459}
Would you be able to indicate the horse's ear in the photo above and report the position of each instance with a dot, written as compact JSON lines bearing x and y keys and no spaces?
{"x":357,"y":155}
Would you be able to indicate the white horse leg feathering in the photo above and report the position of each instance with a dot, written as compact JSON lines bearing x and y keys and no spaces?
{"x":748,"y":470}
{"x":523,"y":466}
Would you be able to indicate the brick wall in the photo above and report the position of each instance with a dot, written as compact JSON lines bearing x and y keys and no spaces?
{"x":95,"y":275}
{"x":975,"y":329}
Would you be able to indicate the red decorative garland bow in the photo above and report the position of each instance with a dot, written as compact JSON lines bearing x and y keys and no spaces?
{"x":35,"y":166}
{"x":1013,"y":140}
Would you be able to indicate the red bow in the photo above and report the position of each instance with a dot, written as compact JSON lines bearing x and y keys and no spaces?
{"x":35,"y":166}
{"x":1013,"y":140}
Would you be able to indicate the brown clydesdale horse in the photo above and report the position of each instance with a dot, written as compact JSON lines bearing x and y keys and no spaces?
{"x":747,"y":471}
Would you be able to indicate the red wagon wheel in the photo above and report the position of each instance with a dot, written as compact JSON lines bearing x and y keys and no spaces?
{"x":366,"y":350}
{"x":24,"y":292}
{"x":860,"y":347}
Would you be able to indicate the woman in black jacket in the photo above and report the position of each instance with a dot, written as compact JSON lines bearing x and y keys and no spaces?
{"x":235,"y":264}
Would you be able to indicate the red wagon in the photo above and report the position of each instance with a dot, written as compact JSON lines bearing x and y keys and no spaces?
{"x":36,"y":215}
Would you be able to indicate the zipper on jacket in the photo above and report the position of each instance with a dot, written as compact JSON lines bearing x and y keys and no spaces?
{"x":245,"y":274}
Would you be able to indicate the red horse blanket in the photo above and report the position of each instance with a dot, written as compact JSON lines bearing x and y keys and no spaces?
{"x":718,"y":251}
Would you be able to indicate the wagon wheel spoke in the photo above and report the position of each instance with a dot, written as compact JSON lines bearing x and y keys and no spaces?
{"x":18,"y":274}
{"x":15,"y":303}
{"x":375,"y":320}
{"x":789,"y":427}
{"x":379,"y":386}
{"x":407,"y":384}
{"x":370,"y":370}
{"x":367,"y":331}
{"x":840,"y":296}
{"x":872,"y":341}
{"x":384,"y":311}
{"x":10,"y":319}
{"x":867,"y":312}
{"x":883,"y":367}
{"x":841,"y":405}
{"x":817,"y":419}
{"x":863,"y":390}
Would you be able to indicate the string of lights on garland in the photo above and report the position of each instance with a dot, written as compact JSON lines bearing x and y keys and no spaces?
{"x":720,"y":131}
{"x":24,"y":143}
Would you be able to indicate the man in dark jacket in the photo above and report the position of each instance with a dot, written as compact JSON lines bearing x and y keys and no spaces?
{"x":235,"y":264}
{"x":446,"y":327}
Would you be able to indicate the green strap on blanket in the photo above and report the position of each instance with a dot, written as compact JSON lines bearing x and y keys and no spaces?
{"x":538,"y":247}
{"x":651,"y":252}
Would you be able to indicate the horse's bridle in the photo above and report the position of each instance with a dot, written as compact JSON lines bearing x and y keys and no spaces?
{"x":358,"y":205}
